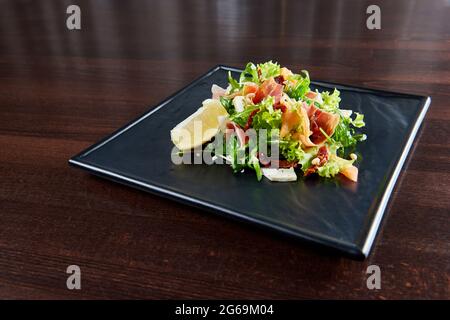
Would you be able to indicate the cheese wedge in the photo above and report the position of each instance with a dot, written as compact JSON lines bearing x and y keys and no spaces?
{"x":279,"y":175}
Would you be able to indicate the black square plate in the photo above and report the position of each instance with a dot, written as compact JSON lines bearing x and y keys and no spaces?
{"x":344,"y":216}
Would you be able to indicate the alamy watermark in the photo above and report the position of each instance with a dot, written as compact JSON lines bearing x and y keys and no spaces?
{"x":73,"y":21}
{"x":374,"y":279}
{"x":232,"y":142}
{"x":73,"y":281}
{"x":373,"y":21}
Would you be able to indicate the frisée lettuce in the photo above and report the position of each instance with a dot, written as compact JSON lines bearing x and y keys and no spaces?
{"x":310,"y":129}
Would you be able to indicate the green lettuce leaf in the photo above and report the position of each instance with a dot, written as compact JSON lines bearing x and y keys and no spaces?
{"x":241,"y":118}
{"x":253,"y":162}
{"x":333,"y":166}
{"x":228,"y":105}
{"x":291,"y":151}
{"x":235,"y":153}
{"x":267,"y":117}
{"x":240,"y":159}
{"x":235,"y":86}
{"x":268,"y":69}
{"x":265,"y":106}
{"x":345,"y":133}
{"x":250,"y":74}
{"x":301,"y":86}
{"x":267,"y":120}
{"x":330,"y":101}
{"x":358,"y":122}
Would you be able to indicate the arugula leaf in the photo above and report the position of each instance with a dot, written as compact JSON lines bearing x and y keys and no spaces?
{"x":253,"y":162}
{"x":233,"y":83}
{"x":345,"y":133}
{"x":241,"y":118}
{"x":235,"y":154}
{"x":228,"y":105}
{"x":239,"y":159}
{"x":298,"y":85}
{"x":250,"y":74}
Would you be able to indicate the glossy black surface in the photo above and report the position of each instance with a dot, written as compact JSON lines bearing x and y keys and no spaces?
{"x":333,"y":212}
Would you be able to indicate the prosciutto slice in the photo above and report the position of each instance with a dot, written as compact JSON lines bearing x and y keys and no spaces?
{"x":217,"y":91}
{"x":322,"y":157}
{"x":351,"y":173}
{"x":296,"y":123}
{"x":269,"y":88}
{"x":233,"y":127}
{"x":321,"y":119}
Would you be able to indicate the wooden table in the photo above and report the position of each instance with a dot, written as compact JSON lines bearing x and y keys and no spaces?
{"x":61,"y":91}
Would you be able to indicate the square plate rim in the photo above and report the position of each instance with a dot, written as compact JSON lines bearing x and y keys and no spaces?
{"x":358,"y":251}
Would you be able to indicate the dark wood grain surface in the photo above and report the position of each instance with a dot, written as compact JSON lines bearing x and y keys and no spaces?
{"x":61,"y":91}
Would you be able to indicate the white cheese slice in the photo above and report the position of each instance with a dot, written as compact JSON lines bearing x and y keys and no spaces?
{"x":280,"y":175}
{"x":239,"y":103}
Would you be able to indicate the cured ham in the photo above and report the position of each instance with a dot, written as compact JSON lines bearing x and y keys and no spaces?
{"x":311,"y":95}
{"x":351,"y":173}
{"x":321,"y":119}
{"x":249,"y":87}
{"x":269,"y":88}
{"x":315,"y":96}
{"x":217,"y":91}
{"x":240,"y":134}
{"x":250,"y":119}
{"x":296,"y":123}
{"x":321,"y":158}
{"x":289,"y":121}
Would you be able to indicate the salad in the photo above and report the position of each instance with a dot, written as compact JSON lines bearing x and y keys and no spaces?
{"x":309,"y":131}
